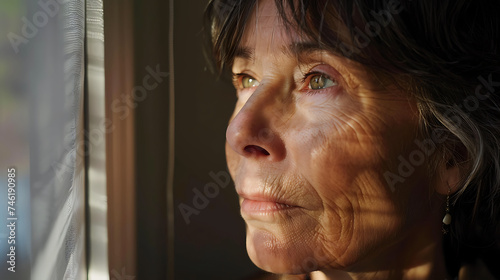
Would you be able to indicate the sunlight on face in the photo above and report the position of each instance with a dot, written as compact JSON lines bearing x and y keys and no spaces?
{"x":307,"y":146}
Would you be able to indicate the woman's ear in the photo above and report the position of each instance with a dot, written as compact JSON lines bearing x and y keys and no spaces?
{"x":451,"y":171}
{"x":448,"y":179}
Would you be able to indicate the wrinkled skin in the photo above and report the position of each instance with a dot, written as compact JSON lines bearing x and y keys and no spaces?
{"x":324,"y":151}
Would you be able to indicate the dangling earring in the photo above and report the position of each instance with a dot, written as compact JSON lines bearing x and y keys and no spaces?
{"x":447,"y":216}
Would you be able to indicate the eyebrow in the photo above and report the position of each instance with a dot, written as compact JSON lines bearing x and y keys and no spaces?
{"x":244,"y":52}
{"x":297,"y":49}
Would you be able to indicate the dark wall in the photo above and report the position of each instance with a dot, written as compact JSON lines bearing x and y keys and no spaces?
{"x":211,"y":245}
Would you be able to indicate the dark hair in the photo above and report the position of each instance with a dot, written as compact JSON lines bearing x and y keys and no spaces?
{"x":444,"y":53}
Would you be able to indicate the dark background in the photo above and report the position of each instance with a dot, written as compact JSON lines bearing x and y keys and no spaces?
{"x":212,"y":245}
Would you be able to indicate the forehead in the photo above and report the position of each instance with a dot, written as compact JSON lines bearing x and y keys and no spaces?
{"x":265,"y":26}
{"x":265,"y":14}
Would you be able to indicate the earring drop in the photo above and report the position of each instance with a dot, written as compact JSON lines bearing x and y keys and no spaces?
{"x":447,"y":216}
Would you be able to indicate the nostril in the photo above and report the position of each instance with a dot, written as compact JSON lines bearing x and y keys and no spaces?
{"x":253,"y":149}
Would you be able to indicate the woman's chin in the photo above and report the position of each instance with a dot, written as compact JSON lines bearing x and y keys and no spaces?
{"x":278,"y":255}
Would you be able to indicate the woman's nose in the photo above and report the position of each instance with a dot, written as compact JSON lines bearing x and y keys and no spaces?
{"x":253,"y":132}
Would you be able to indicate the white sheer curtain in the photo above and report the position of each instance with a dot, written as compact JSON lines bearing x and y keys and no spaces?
{"x":57,"y":148}
{"x":44,"y":44}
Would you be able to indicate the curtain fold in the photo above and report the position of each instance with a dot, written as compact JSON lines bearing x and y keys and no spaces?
{"x":57,"y":147}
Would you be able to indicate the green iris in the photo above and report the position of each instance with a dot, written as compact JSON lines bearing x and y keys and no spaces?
{"x":248,"y":82}
{"x":321,"y":81}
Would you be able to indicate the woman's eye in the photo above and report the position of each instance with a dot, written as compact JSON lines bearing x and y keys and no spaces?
{"x":248,"y":82}
{"x":320,"y":81}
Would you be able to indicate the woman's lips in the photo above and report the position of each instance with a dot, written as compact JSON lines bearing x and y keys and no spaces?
{"x":251,"y":208}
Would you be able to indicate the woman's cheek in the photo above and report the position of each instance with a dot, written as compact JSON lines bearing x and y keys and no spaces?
{"x":344,"y":159}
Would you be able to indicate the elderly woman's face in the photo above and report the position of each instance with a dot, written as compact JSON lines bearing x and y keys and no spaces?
{"x":308,"y":145}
